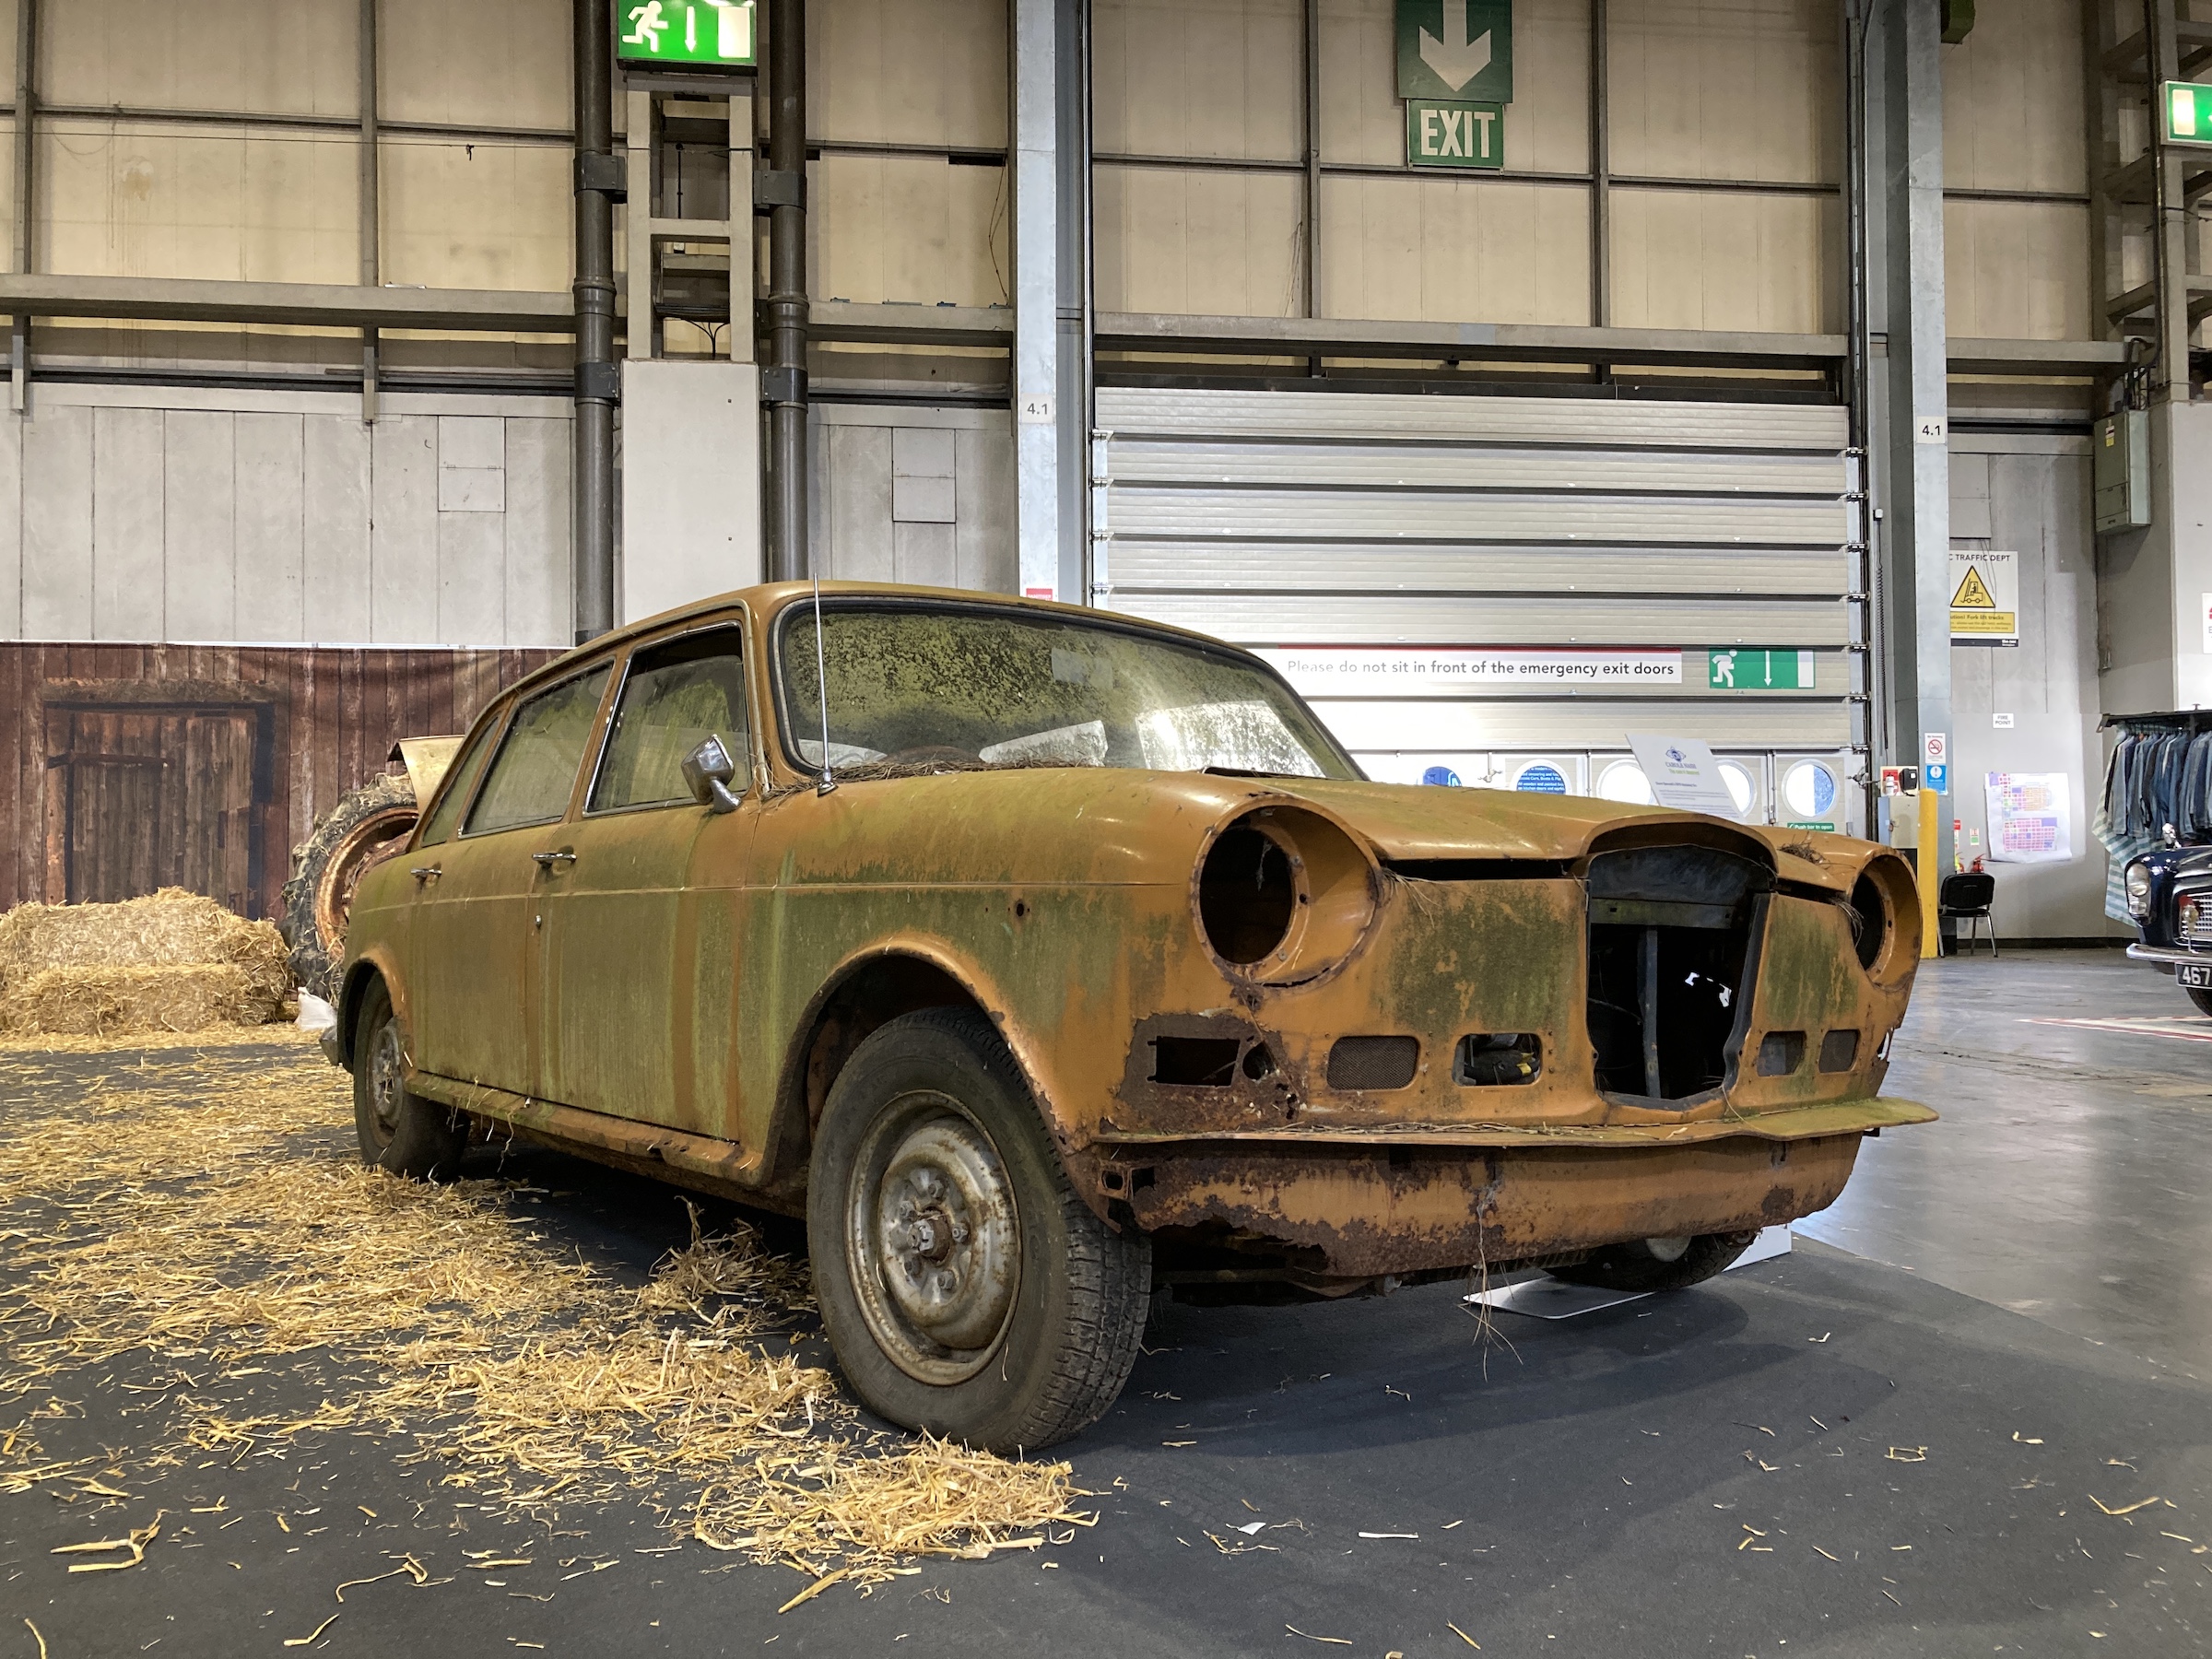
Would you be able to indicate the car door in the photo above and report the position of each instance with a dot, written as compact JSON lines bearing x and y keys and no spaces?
{"x":641,"y":910}
{"x":474,"y":937}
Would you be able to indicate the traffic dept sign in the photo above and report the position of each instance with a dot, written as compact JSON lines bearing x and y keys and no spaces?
{"x":1454,"y":134}
{"x":689,"y":33}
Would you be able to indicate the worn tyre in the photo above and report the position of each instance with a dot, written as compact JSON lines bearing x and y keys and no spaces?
{"x":398,"y":1129}
{"x":2203,"y":999}
{"x":365,"y":826}
{"x":1658,"y":1264}
{"x":965,"y":1288}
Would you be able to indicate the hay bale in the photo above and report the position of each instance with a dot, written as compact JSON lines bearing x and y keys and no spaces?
{"x":102,"y":1002}
{"x":174,"y":961}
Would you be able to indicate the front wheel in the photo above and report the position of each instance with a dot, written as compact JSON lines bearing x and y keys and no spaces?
{"x":398,"y":1129}
{"x":1658,"y":1264}
{"x":965,"y":1287}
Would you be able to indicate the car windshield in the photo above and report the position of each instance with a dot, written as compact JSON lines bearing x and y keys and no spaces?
{"x":927,"y":687}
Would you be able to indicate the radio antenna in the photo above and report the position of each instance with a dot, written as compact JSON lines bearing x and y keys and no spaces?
{"x":821,"y":680}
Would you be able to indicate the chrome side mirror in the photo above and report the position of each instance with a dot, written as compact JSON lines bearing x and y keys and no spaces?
{"x":707,"y":773}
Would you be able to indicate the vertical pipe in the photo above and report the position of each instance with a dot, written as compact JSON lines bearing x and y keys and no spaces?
{"x":1089,"y":364}
{"x":783,"y":386}
{"x":26,"y":40}
{"x":1072,"y":427}
{"x":594,"y":292}
{"x":1601,"y":170}
{"x":1312,"y":120}
{"x":1867,"y":578}
{"x":372,"y":274}
{"x":2169,"y":213}
{"x":1647,"y":996}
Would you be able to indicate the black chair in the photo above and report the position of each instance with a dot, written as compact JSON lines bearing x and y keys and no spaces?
{"x":1966,"y":896}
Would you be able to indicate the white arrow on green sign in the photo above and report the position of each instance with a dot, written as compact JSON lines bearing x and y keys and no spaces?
{"x":1456,"y":49}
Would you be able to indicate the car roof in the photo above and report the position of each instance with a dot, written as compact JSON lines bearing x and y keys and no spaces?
{"x":766,"y":599}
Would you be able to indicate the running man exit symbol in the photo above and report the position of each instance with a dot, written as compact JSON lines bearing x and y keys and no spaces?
{"x":687,"y":32}
{"x":1459,"y":49}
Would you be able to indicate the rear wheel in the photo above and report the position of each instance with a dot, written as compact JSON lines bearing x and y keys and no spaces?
{"x":1658,"y":1264}
{"x":2203,"y":999}
{"x":965,"y":1287}
{"x":398,"y":1129}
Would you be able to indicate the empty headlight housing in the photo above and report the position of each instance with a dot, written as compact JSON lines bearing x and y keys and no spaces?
{"x":2138,"y":890}
{"x":1284,"y":895}
{"x":1885,"y":906}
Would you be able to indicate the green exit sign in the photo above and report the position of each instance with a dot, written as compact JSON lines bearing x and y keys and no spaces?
{"x":1733,"y":670}
{"x":2187,"y":112}
{"x":1454,"y":134}
{"x":717,"y":33}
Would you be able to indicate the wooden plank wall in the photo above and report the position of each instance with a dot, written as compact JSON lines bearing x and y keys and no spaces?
{"x":337,"y":712}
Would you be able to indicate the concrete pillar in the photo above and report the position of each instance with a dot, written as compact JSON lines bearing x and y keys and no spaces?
{"x":1036,"y":400}
{"x":1910,"y":432}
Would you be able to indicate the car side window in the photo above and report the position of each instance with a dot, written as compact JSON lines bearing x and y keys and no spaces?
{"x":535,"y":767}
{"x":460,"y":778}
{"x":676,"y":697}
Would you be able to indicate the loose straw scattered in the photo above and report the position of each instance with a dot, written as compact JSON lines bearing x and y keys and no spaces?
{"x":208,"y":1211}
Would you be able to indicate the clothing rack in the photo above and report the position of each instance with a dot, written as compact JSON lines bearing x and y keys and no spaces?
{"x":2159,"y":775}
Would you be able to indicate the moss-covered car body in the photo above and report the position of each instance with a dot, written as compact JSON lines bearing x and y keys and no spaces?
{"x":1496,"y":1029}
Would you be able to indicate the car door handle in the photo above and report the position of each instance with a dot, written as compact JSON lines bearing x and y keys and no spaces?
{"x":545,"y":861}
{"x":426,"y":874}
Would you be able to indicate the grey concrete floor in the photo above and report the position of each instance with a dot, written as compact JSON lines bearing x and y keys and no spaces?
{"x":1977,"y":1427}
{"x":2071,"y":1177}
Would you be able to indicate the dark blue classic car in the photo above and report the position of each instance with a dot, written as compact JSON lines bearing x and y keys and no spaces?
{"x":2169,"y":895}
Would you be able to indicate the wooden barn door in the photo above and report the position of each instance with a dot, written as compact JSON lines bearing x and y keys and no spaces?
{"x":144,"y":797}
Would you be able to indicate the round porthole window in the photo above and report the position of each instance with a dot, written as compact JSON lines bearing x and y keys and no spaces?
{"x":1808,"y":790}
{"x":1624,"y":781}
{"x":1540,"y":777}
{"x":1743,"y":787}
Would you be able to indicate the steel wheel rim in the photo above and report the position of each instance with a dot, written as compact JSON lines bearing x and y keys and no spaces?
{"x":933,"y":1239}
{"x":369,"y":843}
{"x":387,"y":1091}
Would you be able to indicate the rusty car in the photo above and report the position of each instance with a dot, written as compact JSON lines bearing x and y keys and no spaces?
{"x":1048,"y":960}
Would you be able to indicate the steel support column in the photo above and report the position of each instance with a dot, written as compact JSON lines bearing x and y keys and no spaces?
{"x":27,"y":40}
{"x":784,"y":378}
{"x":1034,"y":103}
{"x":1916,"y":532}
{"x":369,"y":203}
{"x":1072,"y":427}
{"x":1601,"y":170}
{"x":595,"y":290}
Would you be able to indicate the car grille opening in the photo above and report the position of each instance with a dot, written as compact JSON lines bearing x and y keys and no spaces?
{"x":1199,"y":1062}
{"x":1839,"y":1051}
{"x":1670,"y":948}
{"x":1781,"y":1053}
{"x":1493,"y":1059}
{"x":1358,"y":1063}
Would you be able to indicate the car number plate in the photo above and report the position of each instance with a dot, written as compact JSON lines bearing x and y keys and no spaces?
{"x":2194,"y":976}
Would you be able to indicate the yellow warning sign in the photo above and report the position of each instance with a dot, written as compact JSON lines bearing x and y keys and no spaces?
{"x":1985,"y":597}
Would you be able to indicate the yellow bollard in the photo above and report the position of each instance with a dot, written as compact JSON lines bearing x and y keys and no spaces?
{"x":1931,"y":876}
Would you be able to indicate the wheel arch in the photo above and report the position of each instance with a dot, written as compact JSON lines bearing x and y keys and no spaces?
{"x":360,"y":975}
{"x":865,"y":993}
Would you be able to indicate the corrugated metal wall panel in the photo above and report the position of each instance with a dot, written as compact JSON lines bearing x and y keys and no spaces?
{"x":1322,"y":519}
{"x":1535,"y":723}
{"x":1664,"y":621}
{"x":1177,"y":566}
{"x":1126,"y":412}
{"x":1434,"y":516}
{"x":1459,"y":465}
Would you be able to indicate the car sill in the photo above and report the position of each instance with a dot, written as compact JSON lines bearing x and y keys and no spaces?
{"x":722,"y":1161}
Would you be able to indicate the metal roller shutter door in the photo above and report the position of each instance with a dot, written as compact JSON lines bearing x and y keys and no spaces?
{"x":1316,"y":520}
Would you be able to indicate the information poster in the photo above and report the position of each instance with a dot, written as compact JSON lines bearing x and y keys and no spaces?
{"x":2031,"y":817}
{"x":1684,"y":775}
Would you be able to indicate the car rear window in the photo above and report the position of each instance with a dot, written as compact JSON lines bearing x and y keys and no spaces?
{"x":929,"y":687}
{"x":536,"y":768}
